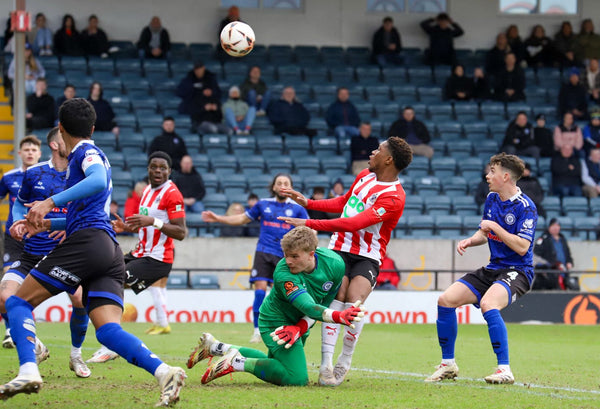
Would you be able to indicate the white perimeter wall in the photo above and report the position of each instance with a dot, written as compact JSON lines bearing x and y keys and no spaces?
{"x":322,"y":22}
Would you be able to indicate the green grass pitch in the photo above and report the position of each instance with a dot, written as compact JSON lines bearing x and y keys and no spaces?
{"x":555,"y":366}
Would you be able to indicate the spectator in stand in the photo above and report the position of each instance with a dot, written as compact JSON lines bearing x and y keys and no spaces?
{"x":530,"y":185}
{"x":40,"y":36}
{"x":494,"y":60}
{"x":413,"y":131}
{"x":33,"y":70}
{"x":233,"y":14}
{"x":132,"y":203}
{"x":568,"y":133}
{"x":510,"y":82}
{"x":105,"y":116}
{"x":387,"y":44}
{"x":591,"y":133}
{"x":67,"y":40}
{"x":288,"y":115}
{"x":458,"y":86}
{"x":114,"y":210}
{"x":169,"y":142}
{"x":573,"y":96}
{"x":154,"y":40}
{"x":252,"y":228}
{"x":255,"y":91}
{"x":252,"y":200}
{"x":481,"y":86}
{"x":519,"y":138}
{"x":361,"y":147}
{"x":342,"y":116}
{"x":318,"y":194}
{"x":591,"y":80}
{"x":68,"y":93}
{"x":94,"y":40}
{"x":238,"y":115}
{"x":441,"y":31}
{"x":566,"y":173}
{"x":337,"y":189}
{"x":543,"y":137}
{"x":40,"y":107}
{"x":590,"y":173}
{"x":517,"y":47}
{"x":587,"y":42}
{"x":565,"y":44}
{"x":388,"y":277}
{"x":538,"y":48}
{"x":194,"y":89}
{"x":208,"y":116}
{"x":483,"y":188}
{"x":190,"y":184}
{"x":234,"y":231}
{"x":552,"y":252}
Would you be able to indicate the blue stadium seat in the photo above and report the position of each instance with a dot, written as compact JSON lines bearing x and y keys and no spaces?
{"x":122,"y":178}
{"x":566,"y":226}
{"x":242,"y":145}
{"x":358,"y":56}
{"x":234,"y":183}
{"x":281,"y":54}
{"x":368,"y":74}
{"x":428,"y":186}
{"x":575,"y":206}
{"x":441,"y":111}
{"x":212,"y":182}
{"x":429,"y":94}
{"x":192,"y":142}
{"x":325,"y":146}
{"x":378,"y":92}
{"x":448,"y":226}
{"x":297,"y":145}
{"x":316,"y":181}
{"x":215,"y":144}
{"x":443,"y":167}
{"x":224,"y":164}
{"x":404,"y":92}
{"x":342,"y":75}
{"x":420,"y":226}
{"x":448,"y":126}
{"x":205,"y":282}
{"x":552,"y":206}
{"x":471,"y":224}
{"x":279,"y":164}
{"x":252,"y":164}
{"x":418,"y":167}
{"x":406,"y":182}
{"x":289,"y":74}
{"x":316,"y":74}
{"x":460,"y":149}
{"x":512,"y":109}
{"x":365,"y":110}
{"x":435,"y":205}
{"x":335,"y":165}
{"x":136,"y":140}
{"x":270,"y":145}
{"x":333,"y":55}
{"x":420,"y":75}
{"x":177,"y":281}
{"x":307,"y":165}
{"x":439,"y":147}
{"x":455,"y":186}
{"x":493,"y":111}
{"x":586,"y":227}
{"x":471,"y":168}
{"x":307,"y":55}
{"x":464,"y":205}
{"x":394,"y":75}
{"x":466,"y":109}
{"x":441,"y":73}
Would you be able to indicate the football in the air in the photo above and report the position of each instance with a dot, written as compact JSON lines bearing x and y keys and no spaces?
{"x":237,"y":39}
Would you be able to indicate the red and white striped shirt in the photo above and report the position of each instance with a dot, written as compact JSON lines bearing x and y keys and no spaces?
{"x":164,"y":203}
{"x":370,"y":211}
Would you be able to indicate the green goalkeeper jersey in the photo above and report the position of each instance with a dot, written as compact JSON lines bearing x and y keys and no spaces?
{"x":294,"y":296}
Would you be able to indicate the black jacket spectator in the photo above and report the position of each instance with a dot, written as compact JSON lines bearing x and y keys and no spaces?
{"x":361,"y":148}
{"x":482,"y":88}
{"x":192,"y":88}
{"x":566,"y":173}
{"x":67,"y":40}
{"x":402,"y":128}
{"x":170,"y":143}
{"x":516,"y":44}
{"x":145,"y":41}
{"x":458,"y":86}
{"x":42,"y":110}
{"x":104,"y":115}
{"x":539,"y":48}
{"x":544,"y":140}
{"x":93,"y":39}
{"x":519,"y":135}
{"x":190,"y":184}
{"x":288,"y":115}
{"x":546,"y":255}
{"x":512,"y":78}
{"x":573,"y":96}
{"x":565,"y":44}
{"x":442,"y":31}
{"x":342,"y":113}
{"x":494,"y":59}
{"x":530,"y":185}
{"x":382,"y":39}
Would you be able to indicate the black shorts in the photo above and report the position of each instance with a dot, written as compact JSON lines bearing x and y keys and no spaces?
{"x":89,"y":258}
{"x":263,"y":267}
{"x":142,"y":272}
{"x":24,"y":264}
{"x":12,"y":250}
{"x":480,"y":280}
{"x":360,"y":266}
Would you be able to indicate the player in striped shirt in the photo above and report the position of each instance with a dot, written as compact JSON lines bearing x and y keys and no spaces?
{"x":370,"y":211}
{"x":508,"y":228}
{"x":161,"y":218}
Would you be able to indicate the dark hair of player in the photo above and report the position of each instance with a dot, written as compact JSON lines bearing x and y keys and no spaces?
{"x":77,"y":116}
{"x":511,"y":163}
{"x":300,"y":238}
{"x":401,"y":152}
{"x":32,"y":139}
{"x":275,"y":178}
{"x":160,"y":155}
{"x":52,"y":135}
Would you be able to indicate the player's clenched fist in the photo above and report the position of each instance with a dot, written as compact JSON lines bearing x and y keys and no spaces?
{"x":347,"y":316}
{"x":288,"y":334}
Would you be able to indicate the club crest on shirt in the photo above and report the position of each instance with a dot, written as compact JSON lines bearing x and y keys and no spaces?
{"x":371,"y":200}
{"x":289,"y":287}
{"x":289,"y":212}
{"x":327,"y":285}
{"x":510,"y":219}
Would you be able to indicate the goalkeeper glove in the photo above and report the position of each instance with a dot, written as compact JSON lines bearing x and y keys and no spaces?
{"x":347,"y":316}
{"x":289,"y":334}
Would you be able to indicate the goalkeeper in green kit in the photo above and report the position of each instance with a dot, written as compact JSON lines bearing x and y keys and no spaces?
{"x":304,"y":281}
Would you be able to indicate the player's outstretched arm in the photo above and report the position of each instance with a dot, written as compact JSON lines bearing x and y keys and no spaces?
{"x":232,"y":220}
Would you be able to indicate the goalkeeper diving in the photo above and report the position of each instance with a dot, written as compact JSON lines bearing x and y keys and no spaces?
{"x":305,"y":281}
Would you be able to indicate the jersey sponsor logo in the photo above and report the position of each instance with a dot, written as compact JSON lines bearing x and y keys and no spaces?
{"x":90,"y":152}
{"x":40,"y":186}
{"x":289,"y":287}
{"x":511,"y":276}
{"x":327,"y":285}
{"x":528,"y":224}
{"x":267,"y":210}
{"x":489,"y":213}
{"x":15,"y":184}
{"x":354,"y":203}
{"x":64,"y":276}
{"x":492,"y":236}
{"x":143,"y":210}
{"x":510,"y":219}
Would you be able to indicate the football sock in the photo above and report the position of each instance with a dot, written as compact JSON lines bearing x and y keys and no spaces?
{"x":79,"y":324}
{"x":75,"y":352}
{"x":238,"y":363}
{"x":504,"y":368}
{"x":272,"y":371}
{"x":20,"y":313}
{"x":219,"y":348}
{"x":447,"y":329}
{"x":329,"y":336}
{"x":160,"y":306}
{"x":259,"y":296}
{"x":5,"y":318}
{"x":498,"y":335}
{"x":350,"y":339}
{"x":128,"y":346}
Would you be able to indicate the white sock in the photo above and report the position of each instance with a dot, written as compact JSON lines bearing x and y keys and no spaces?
{"x":329,"y":336}
{"x":75,"y":352}
{"x":29,"y":368}
{"x":238,"y":363}
{"x":504,"y":368}
{"x":219,"y":348}
{"x":350,"y":339}
{"x":160,"y":306}
{"x":161,"y":370}
{"x":256,"y":331}
{"x":448,"y":361}
{"x":39,"y":345}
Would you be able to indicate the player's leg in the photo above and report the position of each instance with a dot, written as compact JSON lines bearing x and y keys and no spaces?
{"x":209,"y":347}
{"x":8,"y":287}
{"x":261,"y":276}
{"x":78,"y":325}
{"x":260,"y":291}
{"x":158,"y":290}
{"x":12,"y":252}
{"x":464,"y":291}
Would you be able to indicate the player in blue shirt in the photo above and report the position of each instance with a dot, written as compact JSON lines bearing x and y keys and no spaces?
{"x":508,"y":227}
{"x":268,"y":250}
{"x":41,"y":181}
{"x":90,"y":256}
{"x":30,"y":153}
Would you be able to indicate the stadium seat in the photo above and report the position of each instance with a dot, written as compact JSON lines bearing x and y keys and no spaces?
{"x":435,"y":205}
{"x":358,"y":56}
{"x":455,"y":186}
{"x":441,"y":111}
{"x":420,"y":75}
{"x":252,"y":164}
{"x":575,"y":206}
{"x":260,"y":182}
{"x":566,"y":226}
{"x":122,"y":178}
{"x":439,"y":147}
{"x":307,"y":165}
{"x":333,"y":55}
{"x":429,"y":94}
{"x":394,"y":75}
{"x":471,"y":168}
{"x":270,"y":145}
{"x":493,"y":110}
{"x":428,"y":186}
{"x":242,"y":145}
{"x":316,"y":74}
{"x":448,"y":226}
{"x":224,"y":164}
{"x":512,"y":109}
{"x":279,"y":164}
{"x":368,"y":74}
{"x":446,"y":127}
{"x":405,"y":92}
{"x":205,"y":282}
{"x":136,"y":140}
{"x":460,"y":149}
{"x":215,"y":144}
{"x":325,"y":146}
{"x":420,"y":226}
{"x":586,"y":227}
{"x":289,"y":74}
{"x":335,"y":165}
{"x":413,"y":205}
{"x":466,"y":110}
{"x":177,"y":281}
{"x":316,"y":181}
{"x":552,"y":206}
{"x":464,"y":205}
{"x":406,"y":182}
{"x":471,"y":224}
{"x":443,"y":167}
{"x":307,"y":55}
{"x":418,"y":167}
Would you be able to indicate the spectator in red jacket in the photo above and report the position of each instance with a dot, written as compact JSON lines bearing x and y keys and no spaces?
{"x":132,"y":204}
{"x":388,"y":277}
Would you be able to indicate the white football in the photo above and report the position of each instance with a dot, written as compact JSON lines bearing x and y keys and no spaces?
{"x":237,"y":39}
